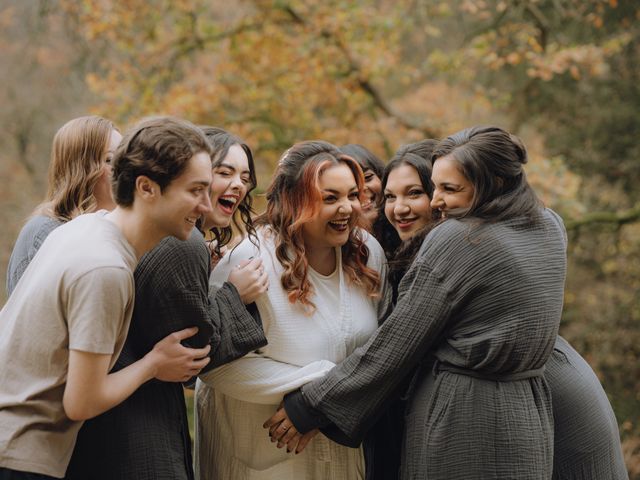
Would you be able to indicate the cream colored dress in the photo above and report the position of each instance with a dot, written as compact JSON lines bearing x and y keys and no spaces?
{"x":234,"y":400}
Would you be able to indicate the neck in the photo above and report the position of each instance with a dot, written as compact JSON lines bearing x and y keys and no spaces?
{"x":322,"y":260}
{"x":139,"y":233}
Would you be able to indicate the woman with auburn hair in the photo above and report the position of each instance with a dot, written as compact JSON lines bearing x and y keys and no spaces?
{"x":325,"y":274}
{"x":79,"y":182}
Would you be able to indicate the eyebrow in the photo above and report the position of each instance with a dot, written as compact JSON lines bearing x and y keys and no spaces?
{"x":330,"y":190}
{"x":413,"y":185}
{"x":201,"y":182}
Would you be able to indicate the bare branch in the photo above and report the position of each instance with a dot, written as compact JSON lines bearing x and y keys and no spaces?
{"x":616,"y":219}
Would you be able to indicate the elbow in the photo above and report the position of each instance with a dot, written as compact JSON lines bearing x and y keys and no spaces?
{"x":76,"y":410}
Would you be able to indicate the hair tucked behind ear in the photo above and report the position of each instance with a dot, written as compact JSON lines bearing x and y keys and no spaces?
{"x":492,"y":160}
{"x":293,"y":199}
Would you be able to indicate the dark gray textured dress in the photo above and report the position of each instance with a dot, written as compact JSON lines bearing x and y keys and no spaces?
{"x":147,"y":435}
{"x":587,"y":441}
{"x":30,"y":238}
{"x":485,"y":301}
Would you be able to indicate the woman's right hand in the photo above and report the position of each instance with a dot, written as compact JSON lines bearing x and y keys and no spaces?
{"x":250,"y":279}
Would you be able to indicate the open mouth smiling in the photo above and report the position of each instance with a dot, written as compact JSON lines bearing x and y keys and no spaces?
{"x":340,"y":225}
{"x":228,"y":203}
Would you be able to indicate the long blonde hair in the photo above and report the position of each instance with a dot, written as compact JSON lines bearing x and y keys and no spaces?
{"x":77,"y":158}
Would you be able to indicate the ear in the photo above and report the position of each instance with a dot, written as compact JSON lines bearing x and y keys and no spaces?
{"x":146,"y":188}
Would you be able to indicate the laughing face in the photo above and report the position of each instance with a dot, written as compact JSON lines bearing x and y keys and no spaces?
{"x":185,"y":199}
{"x":407,"y":204}
{"x":372,"y":191}
{"x":451,"y":189}
{"x":231,"y":181}
{"x":332,"y":225}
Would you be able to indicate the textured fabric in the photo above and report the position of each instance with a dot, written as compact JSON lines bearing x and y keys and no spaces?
{"x":29,"y":241}
{"x":587,"y":441}
{"x":484,"y":297}
{"x":230,"y":439}
{"x":147,"y":435}
{"x":77,"y":293}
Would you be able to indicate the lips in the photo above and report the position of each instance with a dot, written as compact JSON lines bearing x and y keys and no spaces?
{"x":228,"y":203}
{"x":191,"y":221}
{"x":405,"y":223}
{"x":340,"y":225}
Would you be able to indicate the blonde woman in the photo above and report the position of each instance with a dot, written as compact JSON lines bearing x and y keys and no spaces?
{"x":79,"y":182}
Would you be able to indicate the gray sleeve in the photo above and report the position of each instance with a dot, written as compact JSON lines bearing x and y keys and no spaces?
{"x":29,"y":241}
{"x":356,"y":390}
{"x":238,"y":328}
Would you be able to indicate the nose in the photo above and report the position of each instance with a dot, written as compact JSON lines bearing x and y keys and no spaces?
{"x":436,"y":201}
{"x":236,"y":182}
{"x":400,"y":208}
{"x":205,"y":204}
{"x":345,"y":207}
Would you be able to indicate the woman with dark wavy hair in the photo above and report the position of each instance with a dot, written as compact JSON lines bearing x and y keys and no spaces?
{"x":234,"y":178}
{"x":325,"y":274}
{"x":372,"y":168}
{"x":477,"y":313}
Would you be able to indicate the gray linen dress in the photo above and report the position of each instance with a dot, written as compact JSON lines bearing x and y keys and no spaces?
{"x":484,"y":299}
{"x":587,"y":441}
{"x":30,"y":238}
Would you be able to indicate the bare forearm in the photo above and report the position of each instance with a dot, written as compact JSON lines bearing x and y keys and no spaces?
{"x":106,"y":394}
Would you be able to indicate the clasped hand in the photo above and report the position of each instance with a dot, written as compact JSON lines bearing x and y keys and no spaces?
{"x":282,"y":430}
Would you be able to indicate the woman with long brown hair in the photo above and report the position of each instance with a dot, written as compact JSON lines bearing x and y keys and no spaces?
{"x":325,"y":274}
{"x":79,"y":182}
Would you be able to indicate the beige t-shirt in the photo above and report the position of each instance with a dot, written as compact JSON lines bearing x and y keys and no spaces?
{"x":77,"y":293}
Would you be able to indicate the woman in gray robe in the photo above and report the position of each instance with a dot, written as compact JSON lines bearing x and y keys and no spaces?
{"x":483,"y":298}
{"x":586,"y":438}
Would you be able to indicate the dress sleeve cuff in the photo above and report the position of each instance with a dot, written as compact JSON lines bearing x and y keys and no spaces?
{"x":303,"y":416}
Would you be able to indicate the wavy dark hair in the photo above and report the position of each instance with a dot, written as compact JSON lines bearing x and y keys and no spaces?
{"x":364,"y":157}
{"x":293,"y":199}
{"x":418,"y":155}
{"x":400,"y":254}
{"x":221,"y":141}
{"x":492,"y":159}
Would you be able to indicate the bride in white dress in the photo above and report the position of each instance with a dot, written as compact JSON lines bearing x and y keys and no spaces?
{"x":326,"y":278}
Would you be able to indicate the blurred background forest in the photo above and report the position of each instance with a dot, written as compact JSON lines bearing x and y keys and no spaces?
{"x":562,"y":74}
